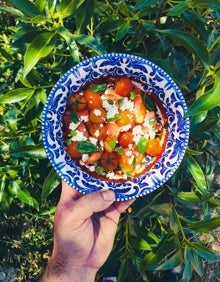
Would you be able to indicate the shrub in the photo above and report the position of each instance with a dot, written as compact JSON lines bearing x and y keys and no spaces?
{"x":39,"y":41}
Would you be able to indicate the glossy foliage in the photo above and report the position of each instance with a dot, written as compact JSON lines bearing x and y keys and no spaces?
{"x":39,"y":41}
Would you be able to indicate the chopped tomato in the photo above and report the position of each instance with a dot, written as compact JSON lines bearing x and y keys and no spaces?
{"x":126,"y":118}
{"x":154,"y":147}
{"x":98,"y":131}
{"x":110,"y":143}
{"x":126,"y":161}
{"x":82,"y":128}
{"x":97,"y":115}
{"x":139,"y":109}
{"x":93,"y":99}
{"x":125,"y":138}
{"x":77,"y":102}
{"x":72,"y":151}
{"x":109,"y":160}
{"x":123,"y":86}
{"x":94,"y":157}
{"x":113,"y":129}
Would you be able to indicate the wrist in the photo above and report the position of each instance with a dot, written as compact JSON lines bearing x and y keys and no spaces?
{"x":60,"y":269}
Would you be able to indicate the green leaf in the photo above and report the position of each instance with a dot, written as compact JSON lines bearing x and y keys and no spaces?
{"x":69,"y":38}
{"x":213,"y":202}
{"x":190,"y":42}
{"x":204,"y":226}
{"x":86,"y":147}
{"x":208,"y":100}
{"x":90,"y":42}
{"x":214,"y":4}
{"x":187,"y":272}
{"x":74,"y":117}
{"x":16,"y":95}
{"x":2,"y":186}
{"x":39,"y":48}
{"x":163,"y":209}
{"x":197,"y":173}
{"x":50,"y":183}
{"x":196,"y":21}
{"x":123,"y":270}
{"x":17,"y":189}
{"x":142,"y":244}
{"x":68,"y":7}
{"x":143,"y":4}
{"x":100,"y":88}
{"x":25,"y":6}
{"x":149,"y":104}
{"x":188,"y":196}
{"x":84,"y":15}
{"x":178,"y":9}
{"x":29,"y":151}
{"x":172,"y":262}
{"x":205,"y":252}
{"x":12,"y":11}
{"x":196,"y":262}
{"x":167,"y":245}
{"x":122,"y":31}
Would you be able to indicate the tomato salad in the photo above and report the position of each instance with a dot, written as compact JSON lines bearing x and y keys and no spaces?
{"x":111,"y":129}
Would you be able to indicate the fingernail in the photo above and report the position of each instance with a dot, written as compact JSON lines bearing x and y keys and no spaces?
{"x":108,"y":195}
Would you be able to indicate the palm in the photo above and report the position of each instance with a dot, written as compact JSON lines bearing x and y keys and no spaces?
{"x":83,"y":231}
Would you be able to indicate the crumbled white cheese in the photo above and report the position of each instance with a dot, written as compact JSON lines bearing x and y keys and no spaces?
{"x":79,"y":137}
{"x":96,"y":133}
{"x":127,"y":105}
{"x":84,"y":118}
{"x":85,"y":157}
{"x":97,"y":112}
{"x":125,"y":128}
{"x":128,"y":153}
{"x":137,"y":130}
{"x":73,"y":126}
{"x":93,"y":140}
{"x":112,"y":175}
{"x":111,"y":110}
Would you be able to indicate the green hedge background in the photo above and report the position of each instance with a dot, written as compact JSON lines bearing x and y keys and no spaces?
{"x":177,"y":225}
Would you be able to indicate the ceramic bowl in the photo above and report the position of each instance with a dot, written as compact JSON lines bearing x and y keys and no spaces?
{"x":155,"y":80}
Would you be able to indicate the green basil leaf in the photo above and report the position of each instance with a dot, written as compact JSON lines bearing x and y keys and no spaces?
{"x":86,"y":147}
{"x":149,"y":104}
{"x":99,"y":87}
{"x":74,"y":117}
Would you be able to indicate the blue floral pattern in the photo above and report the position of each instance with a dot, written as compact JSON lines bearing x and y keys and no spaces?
{"x":153,"y":79}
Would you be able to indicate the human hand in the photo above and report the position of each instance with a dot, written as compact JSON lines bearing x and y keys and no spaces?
{"x":85,"y":228}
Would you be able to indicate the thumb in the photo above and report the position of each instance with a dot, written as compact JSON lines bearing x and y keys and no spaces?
{"x":93,"y":202}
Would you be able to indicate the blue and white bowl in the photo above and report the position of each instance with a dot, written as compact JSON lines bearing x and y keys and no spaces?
{"x":138,"y":69}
